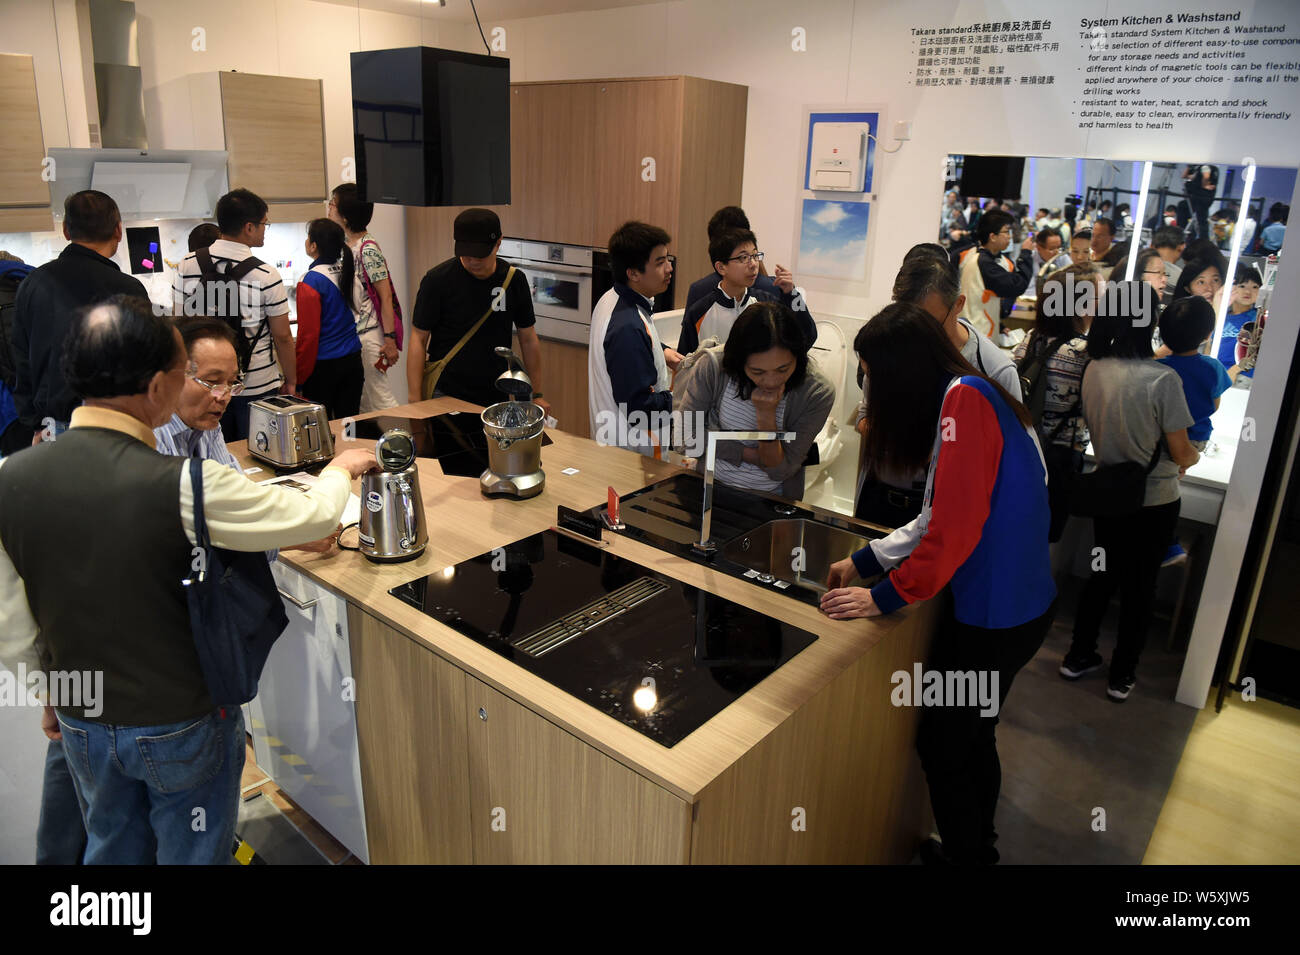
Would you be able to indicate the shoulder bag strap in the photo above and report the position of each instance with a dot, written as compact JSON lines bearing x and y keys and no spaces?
{"x":200,"y":522}
{"x":1155,"y":455}
{"x":433,"y":370}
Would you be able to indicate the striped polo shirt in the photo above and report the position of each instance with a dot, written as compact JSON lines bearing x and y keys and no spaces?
{"x":739,"y":414}
{"x":262,"y":295}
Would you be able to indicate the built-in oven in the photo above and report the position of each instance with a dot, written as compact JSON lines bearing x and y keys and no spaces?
{"x":560,"y":279}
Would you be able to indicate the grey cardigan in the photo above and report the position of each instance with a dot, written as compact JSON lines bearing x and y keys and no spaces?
{"x":806,"y":410}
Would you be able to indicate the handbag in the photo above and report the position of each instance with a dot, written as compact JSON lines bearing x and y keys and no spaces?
{"x":235,"y":611}
{"x":433,"y":369}
{"x":1112,"y":490}
{"x":372,"y":294}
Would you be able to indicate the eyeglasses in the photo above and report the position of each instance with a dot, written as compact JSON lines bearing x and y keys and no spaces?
{"x":264,"y":223}
{"x":670,"y":259}
{"x":744,"y":257}
{"x":218,"y":390}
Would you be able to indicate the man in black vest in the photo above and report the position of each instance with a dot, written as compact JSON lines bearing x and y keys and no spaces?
{"x":96,"y":535}
{"x":83,"y":273}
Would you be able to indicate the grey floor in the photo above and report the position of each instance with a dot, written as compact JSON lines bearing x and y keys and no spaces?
{"x":1066,"y":752}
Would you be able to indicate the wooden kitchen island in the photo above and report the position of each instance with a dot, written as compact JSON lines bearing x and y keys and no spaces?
{"x":466,"y":757}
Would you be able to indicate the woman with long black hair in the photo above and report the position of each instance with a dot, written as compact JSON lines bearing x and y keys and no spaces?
{"x":1057,"y":347}
{"x":982,"y":529}
{"x":328,"y":349}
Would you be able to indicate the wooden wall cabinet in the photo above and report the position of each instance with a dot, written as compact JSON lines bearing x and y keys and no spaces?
{"x":275,"y":134}
{"x":577,"y":166}
{"x":551,"y":168}
{"x":24,"y":195}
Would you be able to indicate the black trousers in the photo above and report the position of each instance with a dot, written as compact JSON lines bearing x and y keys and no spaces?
{"x":958,"y":746}
{"x":1201,"y":210}
{"x":1133,"y":546}
{"x":887,"y":505}
{"x":336,"y":383}
{"x":1062,"y":463}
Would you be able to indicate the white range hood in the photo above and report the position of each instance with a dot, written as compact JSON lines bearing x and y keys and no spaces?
{"x":145,"y":184}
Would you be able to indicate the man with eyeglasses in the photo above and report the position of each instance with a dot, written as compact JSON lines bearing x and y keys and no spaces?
{"x":990,"y":279}
{"x":256,"y":304}
{"x":212,"y":378}
{"x":736,"y":262}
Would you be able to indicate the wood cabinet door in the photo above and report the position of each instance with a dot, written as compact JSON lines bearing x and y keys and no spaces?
{"x":538,"y":794}
{"x":564,"y":366}
{"x":22,"y":147}
{"x":637,"y":120}
{"x":275,"y":134}
{"x":411,"y":730}
{"x":553,"y":135}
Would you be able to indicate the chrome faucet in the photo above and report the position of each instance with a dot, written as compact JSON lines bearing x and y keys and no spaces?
{"x":706,"y":545}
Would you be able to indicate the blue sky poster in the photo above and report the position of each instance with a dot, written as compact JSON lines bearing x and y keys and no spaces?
{"x":833,"y":239}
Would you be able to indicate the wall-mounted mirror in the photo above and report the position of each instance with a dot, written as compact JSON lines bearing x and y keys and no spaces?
{"x":1211,"y":230}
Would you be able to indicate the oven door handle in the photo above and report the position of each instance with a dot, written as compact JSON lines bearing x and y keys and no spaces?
{"x":557,"y":268}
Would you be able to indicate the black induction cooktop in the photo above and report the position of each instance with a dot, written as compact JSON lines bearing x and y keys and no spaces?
{"x":654,"y":653}
{"x":455,"y":439}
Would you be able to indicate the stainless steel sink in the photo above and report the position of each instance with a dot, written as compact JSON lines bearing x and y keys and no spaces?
{"x":798,"y":552}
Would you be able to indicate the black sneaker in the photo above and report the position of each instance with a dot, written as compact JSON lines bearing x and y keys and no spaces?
{"x":1117,"y":690}
{"x":931,"y":852}
{"x":1073,"y":667}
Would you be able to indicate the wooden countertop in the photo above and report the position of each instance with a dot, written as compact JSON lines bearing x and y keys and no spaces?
{"x":463,"y":524}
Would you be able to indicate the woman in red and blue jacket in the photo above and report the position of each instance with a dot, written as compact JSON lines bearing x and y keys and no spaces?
{"x":982,"y":530}
{"x":328,"y":351}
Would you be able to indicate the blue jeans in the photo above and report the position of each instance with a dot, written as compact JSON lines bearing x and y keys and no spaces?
{"x":61,"y":833}
{"x":166,"y":793}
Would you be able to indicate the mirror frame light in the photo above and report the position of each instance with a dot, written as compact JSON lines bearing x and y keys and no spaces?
{"x":1229,"y":280}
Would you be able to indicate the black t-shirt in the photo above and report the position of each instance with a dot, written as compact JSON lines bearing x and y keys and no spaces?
{"x":448,"y":304}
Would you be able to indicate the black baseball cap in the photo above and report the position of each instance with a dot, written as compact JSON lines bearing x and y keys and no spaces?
{"x":476,"y":232}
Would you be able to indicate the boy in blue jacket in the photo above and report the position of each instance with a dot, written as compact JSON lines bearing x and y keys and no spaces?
{"x":1184,"y":326}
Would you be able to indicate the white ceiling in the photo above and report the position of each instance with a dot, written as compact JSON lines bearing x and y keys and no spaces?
{"x":493,"y":10}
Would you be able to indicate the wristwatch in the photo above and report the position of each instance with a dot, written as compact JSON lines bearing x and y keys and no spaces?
{"x":390,"y":335}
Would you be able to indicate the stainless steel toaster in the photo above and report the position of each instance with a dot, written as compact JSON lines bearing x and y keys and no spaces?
{"x":289,"y":432}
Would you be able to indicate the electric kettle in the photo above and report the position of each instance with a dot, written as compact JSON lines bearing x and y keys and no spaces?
{"x":393,"y":526}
